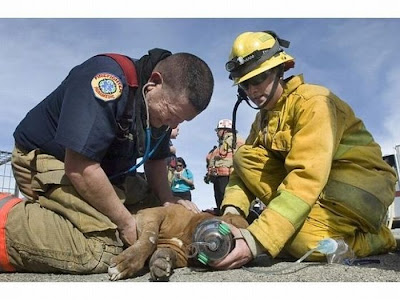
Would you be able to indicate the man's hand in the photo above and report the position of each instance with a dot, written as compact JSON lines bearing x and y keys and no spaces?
{"x":189,"y":205}
{"x":128,"y":233}
{"x":239,"y":256}
{"x":92,"y":183}
{"x":186,"y":203}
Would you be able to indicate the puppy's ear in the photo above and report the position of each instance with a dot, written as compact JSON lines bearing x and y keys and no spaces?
{"x":236,"y":220}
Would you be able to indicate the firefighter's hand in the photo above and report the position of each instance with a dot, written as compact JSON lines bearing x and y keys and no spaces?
{"x":206,"y":179}
{"x":239,"y":256}
{"x":186,"y":203}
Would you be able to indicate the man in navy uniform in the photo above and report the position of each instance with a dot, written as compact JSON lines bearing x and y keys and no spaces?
{"x":76,"y":152}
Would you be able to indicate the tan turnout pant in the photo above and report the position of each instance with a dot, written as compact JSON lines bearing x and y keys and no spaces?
{"x":55,"y":230}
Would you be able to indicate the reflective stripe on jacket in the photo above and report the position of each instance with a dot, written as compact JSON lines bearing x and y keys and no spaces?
{"x":327,"y":155}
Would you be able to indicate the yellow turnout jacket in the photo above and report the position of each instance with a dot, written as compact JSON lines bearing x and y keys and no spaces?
{"x":328,"y":156}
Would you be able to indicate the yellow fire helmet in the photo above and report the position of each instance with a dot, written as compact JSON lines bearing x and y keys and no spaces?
{"x":255,"y":52}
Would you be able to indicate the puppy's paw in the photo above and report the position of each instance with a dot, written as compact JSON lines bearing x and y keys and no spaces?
{"x":162,"y":264}
{"x":127,"y":264}
{"x":114,"y":273}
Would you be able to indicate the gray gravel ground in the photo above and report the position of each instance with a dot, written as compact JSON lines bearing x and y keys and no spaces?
{"x":263,"y":279}
{"x":261,"y":270}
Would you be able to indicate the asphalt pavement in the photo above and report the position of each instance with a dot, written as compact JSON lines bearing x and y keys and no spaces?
{"x":382,"y":268}
{"x":278,"y":279}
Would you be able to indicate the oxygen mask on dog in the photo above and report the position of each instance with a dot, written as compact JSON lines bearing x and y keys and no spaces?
{"x":212,"y":241}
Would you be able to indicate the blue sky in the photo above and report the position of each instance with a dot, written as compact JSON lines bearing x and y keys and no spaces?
{"x":357,"y":58}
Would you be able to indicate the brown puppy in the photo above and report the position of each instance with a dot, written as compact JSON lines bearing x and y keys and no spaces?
{"x":164,"y":233}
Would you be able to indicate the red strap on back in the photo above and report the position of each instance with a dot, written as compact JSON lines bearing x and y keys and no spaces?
{"x":127,"y":66}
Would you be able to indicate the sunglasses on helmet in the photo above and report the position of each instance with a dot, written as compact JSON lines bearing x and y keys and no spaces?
{"x":256,"y":80}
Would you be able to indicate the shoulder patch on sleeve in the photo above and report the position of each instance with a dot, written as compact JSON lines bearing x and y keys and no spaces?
{"x":106,"y":86}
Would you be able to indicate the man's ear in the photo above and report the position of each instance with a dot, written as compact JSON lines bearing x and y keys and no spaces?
{"x":155,"y":78}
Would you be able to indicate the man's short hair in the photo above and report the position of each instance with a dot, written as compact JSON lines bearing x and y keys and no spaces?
{"x":185,"y":73}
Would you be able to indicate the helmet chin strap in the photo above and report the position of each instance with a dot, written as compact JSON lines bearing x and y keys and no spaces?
{"x":243,"y":96}
{"x":278,"y":76}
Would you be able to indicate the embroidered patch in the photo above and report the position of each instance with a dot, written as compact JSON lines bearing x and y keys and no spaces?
{"x":106,"y":86}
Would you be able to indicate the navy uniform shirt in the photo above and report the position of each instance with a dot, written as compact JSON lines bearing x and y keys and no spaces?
{"x":82,"y":114}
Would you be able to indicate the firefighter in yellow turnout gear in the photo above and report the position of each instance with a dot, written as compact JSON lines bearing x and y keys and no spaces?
{"x":220,"y":160}
{"x":308,"y":158}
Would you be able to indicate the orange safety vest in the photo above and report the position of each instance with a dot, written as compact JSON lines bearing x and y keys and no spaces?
{"x":7,"y":201}
{"x":220,"y":159}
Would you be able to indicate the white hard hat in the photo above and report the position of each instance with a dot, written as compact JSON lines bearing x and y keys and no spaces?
{"x":224,"y":124}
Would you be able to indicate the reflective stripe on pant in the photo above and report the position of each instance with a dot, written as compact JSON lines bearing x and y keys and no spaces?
{"x":7,"y":201}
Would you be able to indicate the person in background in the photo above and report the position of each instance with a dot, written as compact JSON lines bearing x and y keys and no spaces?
{"x":219,"y":160}
{"x":182,"y":182}
{"x":171,"y":159}
{"x":308,"y":158}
